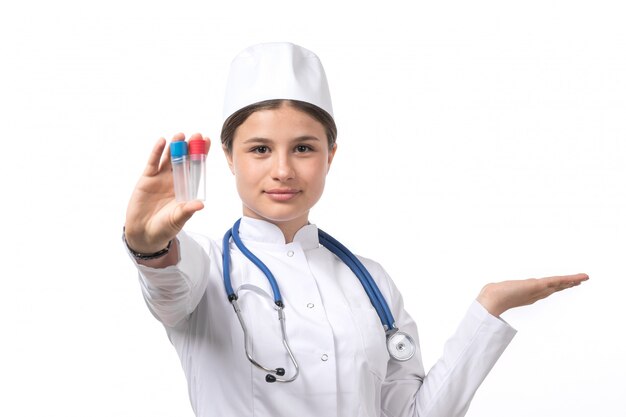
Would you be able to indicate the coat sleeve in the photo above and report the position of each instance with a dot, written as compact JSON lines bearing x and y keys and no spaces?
{"x":173,"y":293}
{"x":448,"y":388}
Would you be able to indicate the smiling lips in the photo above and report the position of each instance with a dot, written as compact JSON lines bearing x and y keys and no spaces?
{"x":280,"y":194}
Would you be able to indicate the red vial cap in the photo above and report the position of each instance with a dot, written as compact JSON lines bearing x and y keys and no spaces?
{"x":197,"y":147}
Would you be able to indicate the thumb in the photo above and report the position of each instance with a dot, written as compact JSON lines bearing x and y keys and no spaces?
{"x":184,"y":211}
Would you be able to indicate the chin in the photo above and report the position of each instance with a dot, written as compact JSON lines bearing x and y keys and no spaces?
{"x":277,"y":214}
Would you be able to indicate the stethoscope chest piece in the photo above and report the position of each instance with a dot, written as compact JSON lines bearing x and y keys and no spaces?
{"x":400,"y":345}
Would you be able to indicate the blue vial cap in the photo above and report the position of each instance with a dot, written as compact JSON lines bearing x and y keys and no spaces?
{"x":178,"y":149}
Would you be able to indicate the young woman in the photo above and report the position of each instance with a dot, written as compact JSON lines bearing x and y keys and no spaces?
{"x":335,"y":350}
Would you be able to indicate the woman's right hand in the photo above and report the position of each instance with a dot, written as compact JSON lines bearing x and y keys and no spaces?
{"x":153,"y":216}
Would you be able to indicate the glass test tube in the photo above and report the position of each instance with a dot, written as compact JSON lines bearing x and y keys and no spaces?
{"x":180,"y":169}
{"x":197,"y":169}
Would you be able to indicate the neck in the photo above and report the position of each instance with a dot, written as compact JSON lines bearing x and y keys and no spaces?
{"x":288,"y":227}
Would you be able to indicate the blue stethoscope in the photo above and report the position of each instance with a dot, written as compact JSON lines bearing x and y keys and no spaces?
{"x":400,"y":345}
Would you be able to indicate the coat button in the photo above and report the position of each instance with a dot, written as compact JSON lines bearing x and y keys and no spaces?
{"x":324,"y":357}
{"x":290,"y":253}
{"x":310,"y":305}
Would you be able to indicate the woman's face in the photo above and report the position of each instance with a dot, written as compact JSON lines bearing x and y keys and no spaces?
{"x":280,"y":159}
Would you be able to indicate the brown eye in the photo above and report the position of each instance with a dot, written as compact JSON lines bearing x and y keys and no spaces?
{"x":260,"y":149}
{"x":303,"y":148}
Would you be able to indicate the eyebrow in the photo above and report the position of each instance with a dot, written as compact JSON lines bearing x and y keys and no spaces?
{"x":303,"y":138}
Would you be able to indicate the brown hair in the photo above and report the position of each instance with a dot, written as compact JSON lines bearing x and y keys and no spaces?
{"x":236,"y":119}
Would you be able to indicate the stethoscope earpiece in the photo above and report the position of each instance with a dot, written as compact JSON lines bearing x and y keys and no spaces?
{"x":271,"y":378}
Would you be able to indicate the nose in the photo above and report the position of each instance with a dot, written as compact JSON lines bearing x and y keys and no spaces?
{"x":282,"y":168}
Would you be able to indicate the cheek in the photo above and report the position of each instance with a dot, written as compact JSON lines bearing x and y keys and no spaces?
{"x":241,"y":176}
{"x":316,"y":173}
{"x":247,"y":173}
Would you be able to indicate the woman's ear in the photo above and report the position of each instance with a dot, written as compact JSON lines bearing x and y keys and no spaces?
{"x":229,"y":158}
{"x":331,"y":155}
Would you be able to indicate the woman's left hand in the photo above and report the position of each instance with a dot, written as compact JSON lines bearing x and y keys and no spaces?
{"x":500,"y":296}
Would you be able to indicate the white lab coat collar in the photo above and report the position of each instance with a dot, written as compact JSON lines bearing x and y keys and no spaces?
{"x":262,"y":231}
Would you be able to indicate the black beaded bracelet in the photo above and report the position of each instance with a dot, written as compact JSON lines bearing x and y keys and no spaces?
{"x":145,"y":256}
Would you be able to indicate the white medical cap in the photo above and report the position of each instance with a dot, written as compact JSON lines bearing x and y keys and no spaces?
{"x":277,"y":70}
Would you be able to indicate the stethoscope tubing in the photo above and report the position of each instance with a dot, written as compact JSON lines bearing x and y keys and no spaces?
{"x":371,"y":289}
{"x":256,"y":261}
{"x":357,"y":267}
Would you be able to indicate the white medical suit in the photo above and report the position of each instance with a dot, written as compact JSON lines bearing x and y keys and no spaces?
{"x":332,"y":328}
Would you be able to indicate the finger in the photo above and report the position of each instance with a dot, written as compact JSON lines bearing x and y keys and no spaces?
{"x":195,"y":136}
{"x":563,"y":282}
{"x":152,"y":167}
{"x":582,"y":277}
{"x":565,"y":279}
{"x":184,"y":211}
{"x":563,"y":286}
{"x":577,"y":277}
{"x":190,"y":208}
{"x":207,"y":141}
{"x":178,"y":137}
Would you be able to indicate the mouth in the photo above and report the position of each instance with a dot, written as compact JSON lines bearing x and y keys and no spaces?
{"x":282,"y":194}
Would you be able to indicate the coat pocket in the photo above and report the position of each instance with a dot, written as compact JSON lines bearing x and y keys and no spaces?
{"x":373,"y":339}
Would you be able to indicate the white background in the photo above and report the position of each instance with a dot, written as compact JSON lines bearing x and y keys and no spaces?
{"x":478,"y":141}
